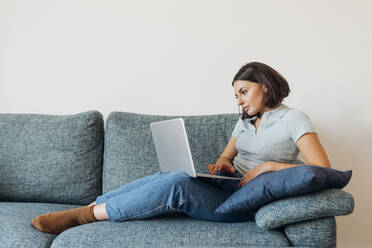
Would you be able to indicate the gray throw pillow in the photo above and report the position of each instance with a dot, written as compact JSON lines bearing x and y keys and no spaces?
{"x":325,"y":203}
{"x":51,"y":158}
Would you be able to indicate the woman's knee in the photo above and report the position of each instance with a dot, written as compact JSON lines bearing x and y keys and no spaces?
{"x":178,"y":178}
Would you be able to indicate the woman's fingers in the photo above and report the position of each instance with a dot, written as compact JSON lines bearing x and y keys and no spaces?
{"x":230,"y":168}
{"x":213,"y":168}
{"x":217,"y":168}
{"x":210,"y":167}
{"x":245,"y":180}
{"x":242,"y":182}
{"x":227,"y":168}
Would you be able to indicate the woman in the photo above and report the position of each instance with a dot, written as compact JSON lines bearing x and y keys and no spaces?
{"x":267,"y":137}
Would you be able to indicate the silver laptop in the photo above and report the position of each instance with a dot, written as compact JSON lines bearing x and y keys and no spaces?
{"x":173,"y":150}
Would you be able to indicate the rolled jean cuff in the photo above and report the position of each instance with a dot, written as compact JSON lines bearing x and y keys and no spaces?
{"x":100,"y":200}
{"x":113,"y":213}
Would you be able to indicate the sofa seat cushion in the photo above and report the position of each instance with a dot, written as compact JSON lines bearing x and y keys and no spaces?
{"x":172,"y":230}
{"x":16,"y":229}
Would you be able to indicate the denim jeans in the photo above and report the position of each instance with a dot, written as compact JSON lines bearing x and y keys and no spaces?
{"x":163,"y":193}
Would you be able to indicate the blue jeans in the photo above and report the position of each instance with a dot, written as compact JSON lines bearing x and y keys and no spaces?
{"x":163,"y":193}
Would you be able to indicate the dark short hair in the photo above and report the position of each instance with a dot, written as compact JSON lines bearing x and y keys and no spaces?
{"x":277,"y":86}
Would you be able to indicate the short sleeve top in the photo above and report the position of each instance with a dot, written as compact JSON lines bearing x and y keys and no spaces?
{"x":275,"y":139}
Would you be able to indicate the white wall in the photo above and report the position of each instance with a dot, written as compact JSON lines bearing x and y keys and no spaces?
{"x":179,"y":57}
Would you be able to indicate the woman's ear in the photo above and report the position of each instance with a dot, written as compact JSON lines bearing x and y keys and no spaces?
{"x":264,"y":88}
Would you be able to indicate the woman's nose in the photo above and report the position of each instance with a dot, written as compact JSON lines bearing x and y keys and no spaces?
{"x":240,"y":101}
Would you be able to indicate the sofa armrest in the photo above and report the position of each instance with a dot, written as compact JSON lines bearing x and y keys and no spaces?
{"x":325,"y":203}
{"x":312,"y":233}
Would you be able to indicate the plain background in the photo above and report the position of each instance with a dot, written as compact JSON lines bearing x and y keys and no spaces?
{"x":174,"y":57}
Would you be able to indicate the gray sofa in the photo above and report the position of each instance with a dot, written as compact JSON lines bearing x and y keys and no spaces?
{"x":51,"y":163}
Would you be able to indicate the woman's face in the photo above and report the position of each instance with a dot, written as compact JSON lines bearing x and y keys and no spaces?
{"x":250,"y":96}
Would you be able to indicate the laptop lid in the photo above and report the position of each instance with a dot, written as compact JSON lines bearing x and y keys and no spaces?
{"x":172,"y":146}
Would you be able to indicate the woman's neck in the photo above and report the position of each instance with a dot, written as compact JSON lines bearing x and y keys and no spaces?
{"x":266,"y":109}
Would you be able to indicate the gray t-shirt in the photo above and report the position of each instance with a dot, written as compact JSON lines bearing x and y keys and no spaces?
{"x":275,"y":139}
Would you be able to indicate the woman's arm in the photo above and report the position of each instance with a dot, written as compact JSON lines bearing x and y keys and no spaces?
{"x":230,"y":151}
{"x":310,"y":148}
{"x":312,"y":151}
{"x":224,"y":163}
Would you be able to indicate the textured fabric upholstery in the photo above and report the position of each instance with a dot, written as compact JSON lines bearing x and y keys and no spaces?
{"x":49,"y":158}
{"x":130,"y":152}
{"x":313,"y":233}
{"x":59,"y":159}
{"x":330,"y":202}
{"x":170,"y":231}
{"x":16,"y":229}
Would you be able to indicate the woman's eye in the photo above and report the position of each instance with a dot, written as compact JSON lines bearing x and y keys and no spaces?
{"x":244,"y":92}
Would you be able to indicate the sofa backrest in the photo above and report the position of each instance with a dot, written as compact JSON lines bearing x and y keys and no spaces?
{"x":50,"y":158}
{"x":129,"y":151}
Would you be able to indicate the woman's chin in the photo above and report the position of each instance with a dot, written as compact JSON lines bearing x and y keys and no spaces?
{"x":250,"y":113}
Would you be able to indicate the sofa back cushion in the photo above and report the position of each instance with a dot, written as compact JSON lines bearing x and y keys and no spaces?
{"x":49,"y":158}
{"x":130,"y":154}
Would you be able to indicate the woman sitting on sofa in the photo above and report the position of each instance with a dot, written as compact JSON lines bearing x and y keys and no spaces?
{"x":267,"y":137}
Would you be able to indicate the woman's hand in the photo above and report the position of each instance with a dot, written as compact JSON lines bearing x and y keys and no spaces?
{"x":222,"y":166}
{"x":252,"y":173}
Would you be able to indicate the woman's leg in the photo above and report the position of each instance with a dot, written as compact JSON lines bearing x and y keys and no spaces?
{"x":56,"y":222}
{"x":176,"y":192}
{"x":128,"y":187}
{"x":100,"y":209}
{"x":99,"y":212}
